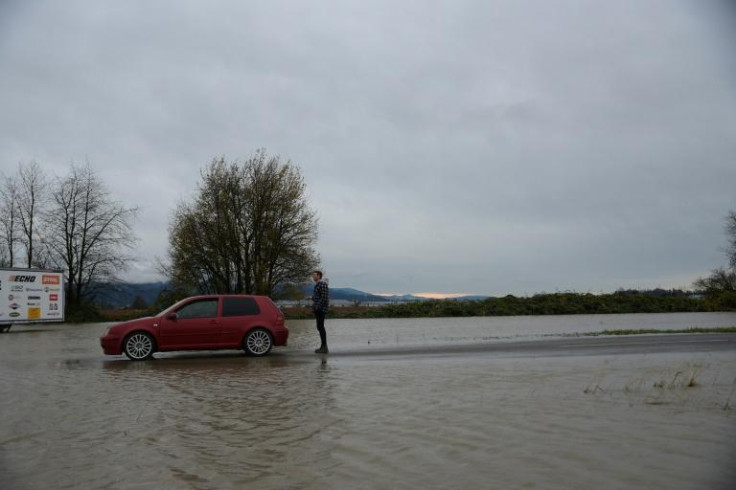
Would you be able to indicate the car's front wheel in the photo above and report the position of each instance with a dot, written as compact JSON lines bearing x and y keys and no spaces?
{"x":139,"y":346}
{"x":258,"y":342}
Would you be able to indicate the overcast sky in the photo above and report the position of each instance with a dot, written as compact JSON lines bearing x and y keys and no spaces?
{"x":485,"y":147}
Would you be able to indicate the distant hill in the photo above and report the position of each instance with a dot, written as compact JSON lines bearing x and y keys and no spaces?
{"x":122,"y":295}
{"x":350,"y":294}
{"x":347,"y":294}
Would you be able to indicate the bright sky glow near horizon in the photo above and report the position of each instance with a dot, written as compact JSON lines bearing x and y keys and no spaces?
{"x":483,"y":147}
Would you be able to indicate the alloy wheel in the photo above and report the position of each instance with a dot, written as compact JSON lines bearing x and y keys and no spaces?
{"x":139,"y":346}
{"x":258,"y":342}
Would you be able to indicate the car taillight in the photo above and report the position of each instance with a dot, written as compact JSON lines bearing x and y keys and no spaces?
{"x":279,"y":313}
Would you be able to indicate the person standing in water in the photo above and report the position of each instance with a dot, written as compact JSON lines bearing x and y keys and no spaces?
{"x":320,"y":305}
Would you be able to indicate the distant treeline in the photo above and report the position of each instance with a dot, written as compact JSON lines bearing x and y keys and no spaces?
{"x":541,"y":304}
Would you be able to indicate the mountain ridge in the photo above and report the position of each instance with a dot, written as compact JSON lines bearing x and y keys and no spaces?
{"x":123,"y":295}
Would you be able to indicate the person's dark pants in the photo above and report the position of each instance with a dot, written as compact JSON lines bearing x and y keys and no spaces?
{"x":320,"y":316}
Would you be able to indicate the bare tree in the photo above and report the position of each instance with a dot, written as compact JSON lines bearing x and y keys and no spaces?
{"x":206,"y":247}
{"x":31,"y":199}
{"x":731,"y":235}
{"x":88,"y":233}
{"x":249,"y":230}
{"x":723,"y":279}
{"x":719,"y":280}
{"x":8,"y":220}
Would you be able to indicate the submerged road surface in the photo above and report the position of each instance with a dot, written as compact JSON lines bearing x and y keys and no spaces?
{"x":566,"y":346}
{"x":428,"y":403}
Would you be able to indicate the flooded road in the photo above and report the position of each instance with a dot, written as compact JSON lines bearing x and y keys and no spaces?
{"x":358,"y":418}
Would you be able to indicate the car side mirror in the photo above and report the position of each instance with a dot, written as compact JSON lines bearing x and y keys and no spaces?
{"x":172,"y":317}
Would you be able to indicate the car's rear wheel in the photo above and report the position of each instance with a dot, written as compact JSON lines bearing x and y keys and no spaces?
{"x":139,"y":346}
{"x":257,"y":342}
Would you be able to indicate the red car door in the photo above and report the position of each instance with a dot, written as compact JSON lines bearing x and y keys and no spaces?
{"x":239,"y":314}
{"x":193,"y":326}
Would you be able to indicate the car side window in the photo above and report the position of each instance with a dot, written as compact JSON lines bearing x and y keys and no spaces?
{"x":205,"y":308}
{"x":240,"y":307}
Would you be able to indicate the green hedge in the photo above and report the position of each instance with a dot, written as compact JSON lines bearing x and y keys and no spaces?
{"x":540,"y":304}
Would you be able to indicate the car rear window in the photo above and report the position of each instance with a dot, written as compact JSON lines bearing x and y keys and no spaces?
{"x":240,"y":307}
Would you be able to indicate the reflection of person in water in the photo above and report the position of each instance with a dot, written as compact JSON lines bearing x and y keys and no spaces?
{"x":320,"y":305}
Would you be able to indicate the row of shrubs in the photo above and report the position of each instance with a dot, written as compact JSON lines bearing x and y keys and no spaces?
{"x":541,"y":304}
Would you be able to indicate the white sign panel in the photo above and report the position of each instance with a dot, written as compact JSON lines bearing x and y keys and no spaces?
{"x":30,"y":295}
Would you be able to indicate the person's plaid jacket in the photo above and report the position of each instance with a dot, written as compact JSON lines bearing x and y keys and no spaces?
{"x":321,"y":297}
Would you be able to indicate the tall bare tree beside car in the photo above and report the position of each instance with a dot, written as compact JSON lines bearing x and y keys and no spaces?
{"x":249,"y":229}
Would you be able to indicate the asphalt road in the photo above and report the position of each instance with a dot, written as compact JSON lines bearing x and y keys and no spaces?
{"x":567,"y":346}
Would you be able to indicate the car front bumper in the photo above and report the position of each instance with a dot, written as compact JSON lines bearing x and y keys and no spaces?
{"x":111,"y":345}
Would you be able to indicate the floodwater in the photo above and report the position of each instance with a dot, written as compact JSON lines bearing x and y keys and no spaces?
{"x":73,"y":418}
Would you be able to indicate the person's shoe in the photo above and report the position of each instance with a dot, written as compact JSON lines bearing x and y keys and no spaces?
{"x":322,"y":350}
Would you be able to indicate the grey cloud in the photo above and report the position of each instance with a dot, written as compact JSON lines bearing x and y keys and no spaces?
{"x":489,"y":147}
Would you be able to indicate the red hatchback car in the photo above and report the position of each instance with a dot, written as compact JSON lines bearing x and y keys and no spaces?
{"x":252,"y":323}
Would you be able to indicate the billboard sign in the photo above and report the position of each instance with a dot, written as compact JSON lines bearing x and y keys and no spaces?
{"x":31,"y":295}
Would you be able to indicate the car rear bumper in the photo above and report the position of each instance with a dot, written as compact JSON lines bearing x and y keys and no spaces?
{"x":281,"y":337}
{"x":111,"y":345}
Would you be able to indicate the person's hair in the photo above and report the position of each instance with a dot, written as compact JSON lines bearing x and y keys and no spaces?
{"x":318,"y":272}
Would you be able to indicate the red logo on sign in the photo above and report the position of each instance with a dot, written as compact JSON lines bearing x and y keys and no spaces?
{"x":50,"y":279}
{"x":53,"y":297}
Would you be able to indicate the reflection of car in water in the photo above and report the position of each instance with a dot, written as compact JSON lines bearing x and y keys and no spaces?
{"x":252,"y":323}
